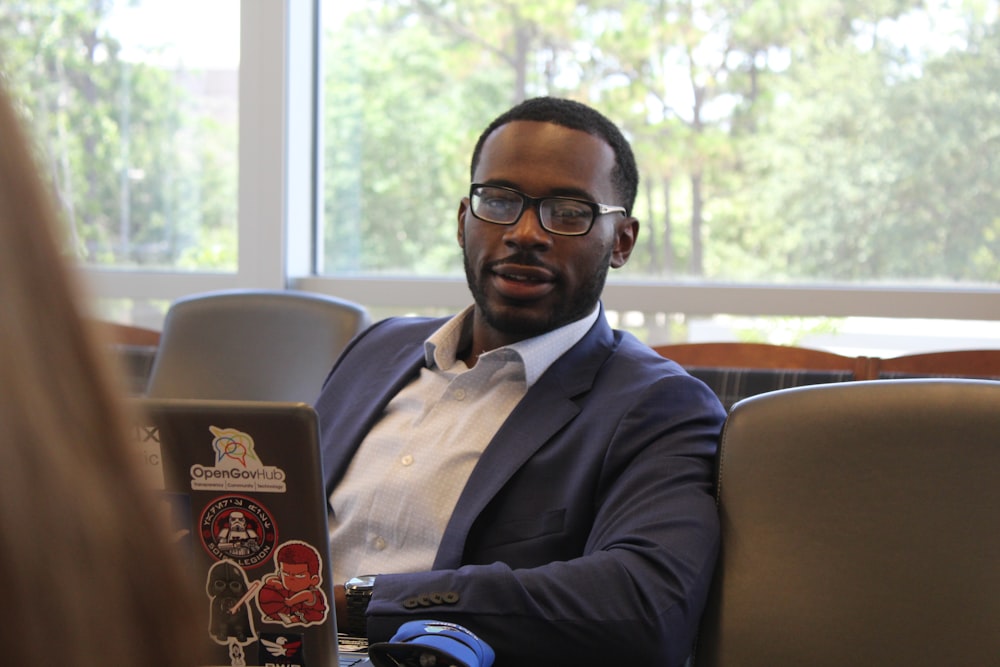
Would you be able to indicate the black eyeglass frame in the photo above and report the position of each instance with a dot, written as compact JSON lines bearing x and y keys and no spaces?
{"x":597,"y":209}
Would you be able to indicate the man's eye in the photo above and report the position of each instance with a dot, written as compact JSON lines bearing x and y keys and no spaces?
{"x":498,"y":204}
{"x":570,"y":212}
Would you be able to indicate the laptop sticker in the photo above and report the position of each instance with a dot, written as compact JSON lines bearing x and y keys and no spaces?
{"x":239,"y":529}
{"x":292,"y":595}
{"x":230,"y":618}
{"x":236,"y":466}
{"x":281,"y":649}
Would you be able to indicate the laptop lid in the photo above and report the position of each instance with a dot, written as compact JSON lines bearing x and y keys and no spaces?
{"x":242,"y":484}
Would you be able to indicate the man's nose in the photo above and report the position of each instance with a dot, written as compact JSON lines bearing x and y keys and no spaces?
{"x":528,"y":230}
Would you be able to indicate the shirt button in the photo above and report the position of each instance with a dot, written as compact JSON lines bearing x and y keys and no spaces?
{"x":459,"y":394}
{"x":379,"y":544}
{"x":406,"y":460}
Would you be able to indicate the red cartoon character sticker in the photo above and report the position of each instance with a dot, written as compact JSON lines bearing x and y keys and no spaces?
{"x":292,"y":595}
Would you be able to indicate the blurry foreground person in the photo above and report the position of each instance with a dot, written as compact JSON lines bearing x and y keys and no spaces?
{"x":89,"y":575}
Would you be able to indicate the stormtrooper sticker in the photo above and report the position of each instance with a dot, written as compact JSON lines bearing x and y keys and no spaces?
{"x":239,"y":529}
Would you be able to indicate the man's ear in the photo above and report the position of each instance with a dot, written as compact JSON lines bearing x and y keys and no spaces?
{"x":463,"y":207}
{"x":626,"y":233}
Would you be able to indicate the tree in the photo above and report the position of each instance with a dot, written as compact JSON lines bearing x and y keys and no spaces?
{"x":877,"y":163}
{"x":410,"y":84}
{"x":129,"y":156}
{"x":801,"y":140}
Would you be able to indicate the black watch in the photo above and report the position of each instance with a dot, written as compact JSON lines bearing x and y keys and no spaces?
{"x":358,"y":592}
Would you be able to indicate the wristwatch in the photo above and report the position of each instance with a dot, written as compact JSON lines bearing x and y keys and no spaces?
{"x":358,"y":592}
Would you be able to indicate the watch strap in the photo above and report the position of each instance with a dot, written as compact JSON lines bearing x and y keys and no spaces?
{"x":356,"y":623}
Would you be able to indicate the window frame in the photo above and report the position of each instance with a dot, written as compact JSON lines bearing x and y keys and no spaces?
{"x":697,"y":299}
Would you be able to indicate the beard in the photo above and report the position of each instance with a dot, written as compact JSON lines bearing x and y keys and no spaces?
{"x":526,"y":322}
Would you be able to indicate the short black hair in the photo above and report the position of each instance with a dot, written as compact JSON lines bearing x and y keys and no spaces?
{"x":575,"y":116}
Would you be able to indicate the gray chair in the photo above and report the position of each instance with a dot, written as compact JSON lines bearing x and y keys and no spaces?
{"x":860,"y":526}
{"x":262,"y":345}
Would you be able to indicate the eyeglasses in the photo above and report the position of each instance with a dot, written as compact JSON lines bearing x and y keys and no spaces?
{"x":565,"y":216}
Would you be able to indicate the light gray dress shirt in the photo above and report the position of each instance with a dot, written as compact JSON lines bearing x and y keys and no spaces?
{"x":389,"y":512}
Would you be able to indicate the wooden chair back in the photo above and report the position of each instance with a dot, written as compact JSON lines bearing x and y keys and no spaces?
{"x":127,"y":334}
{"x":762,"y":356}
{"x":952,"y":363}
{"x":735,"y":371}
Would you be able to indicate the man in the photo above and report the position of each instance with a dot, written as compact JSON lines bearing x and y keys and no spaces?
{"x":522,"y":469}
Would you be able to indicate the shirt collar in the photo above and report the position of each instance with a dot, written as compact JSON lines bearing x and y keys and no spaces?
{"x":537,"y":354}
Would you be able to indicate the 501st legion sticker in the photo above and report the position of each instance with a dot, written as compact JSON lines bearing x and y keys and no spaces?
{"x":239,"y":529}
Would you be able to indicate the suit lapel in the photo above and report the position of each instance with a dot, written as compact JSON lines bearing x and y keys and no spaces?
{"x":357,"y":413}
{"x":548,"y":406}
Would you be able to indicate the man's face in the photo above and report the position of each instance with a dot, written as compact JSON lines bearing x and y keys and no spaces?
{"x":527,"y":281}
{"x":295,"y":577}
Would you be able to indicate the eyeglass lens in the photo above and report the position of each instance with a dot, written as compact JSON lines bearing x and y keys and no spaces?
{"x":557,"y":214}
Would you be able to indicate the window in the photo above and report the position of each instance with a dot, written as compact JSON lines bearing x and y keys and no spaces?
{"x":824,"y":180}
{"x":776,"y":144}
{"x":264,"y":249}
{"x":841,"y":152}
{"x":134,"y":107}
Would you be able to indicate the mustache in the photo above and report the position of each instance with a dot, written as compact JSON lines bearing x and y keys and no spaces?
{"x":521,"y":258}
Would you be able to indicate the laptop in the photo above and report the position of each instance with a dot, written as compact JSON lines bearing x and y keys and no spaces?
{"x":242,"y":487}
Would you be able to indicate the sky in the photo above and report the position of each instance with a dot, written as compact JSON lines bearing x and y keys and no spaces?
{"x":190,"y":33}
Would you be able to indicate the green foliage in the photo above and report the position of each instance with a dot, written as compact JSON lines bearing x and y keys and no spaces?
{"x":878,"y":165}
{"x":400,"y":117}
{"x":144,"y":175}
{"x":778,"y":140}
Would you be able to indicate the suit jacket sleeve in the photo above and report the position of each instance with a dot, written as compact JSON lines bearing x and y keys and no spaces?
{"x":588,"y":531}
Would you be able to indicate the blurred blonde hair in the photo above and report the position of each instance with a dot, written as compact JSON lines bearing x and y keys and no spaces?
{"x":88,"y":575}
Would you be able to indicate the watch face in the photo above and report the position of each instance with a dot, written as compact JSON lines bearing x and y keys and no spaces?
{"x":364,"y":582}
